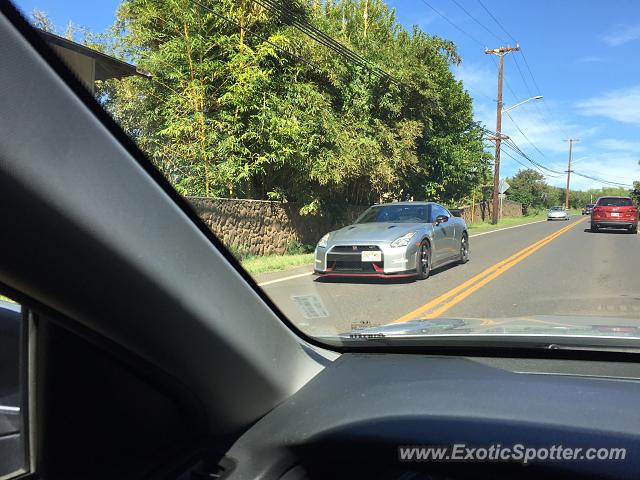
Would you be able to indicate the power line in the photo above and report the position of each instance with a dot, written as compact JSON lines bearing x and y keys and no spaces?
{"x":260,"y":37}
{"x":506,"y":152}
{"x":492,"y":33}
{"x":513,"y":145}
{"x":525,"y":135}
{"x":477,"y":21}
{"x":535,"y":84}
{"x":453,"y":24}
{"x":538,"y":166}
{"x":497,"y":22}
{"x":294,"y":19}
{"x":601,"y":180}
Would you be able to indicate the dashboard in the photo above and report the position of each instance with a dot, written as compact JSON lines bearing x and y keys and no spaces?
{"x":352,"y":419}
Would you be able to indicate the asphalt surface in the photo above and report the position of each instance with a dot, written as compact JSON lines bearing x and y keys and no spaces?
{"x":545,"y":268}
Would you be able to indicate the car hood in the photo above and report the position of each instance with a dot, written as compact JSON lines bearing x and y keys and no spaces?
{"x":533,"y":325}
{"x":370,"y":232}
{"x":557,"y":213}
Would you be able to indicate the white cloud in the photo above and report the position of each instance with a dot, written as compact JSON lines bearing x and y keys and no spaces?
{"x":622,"y":105}
{"x":620,"y":145}
{"x":481,"y":82}
{"x":544,"y":131}
{"x":622,"y":35}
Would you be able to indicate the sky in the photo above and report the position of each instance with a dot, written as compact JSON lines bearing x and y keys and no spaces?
{"x":580,"y":56}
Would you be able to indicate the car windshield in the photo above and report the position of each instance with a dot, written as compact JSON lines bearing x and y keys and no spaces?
{"x":345,"y":153}
{"x":615,"y":202}
{"x":396,"y":214}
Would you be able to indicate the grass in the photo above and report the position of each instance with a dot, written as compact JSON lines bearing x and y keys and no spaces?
{"x":6,"y":299}
{"x":273,"y":263}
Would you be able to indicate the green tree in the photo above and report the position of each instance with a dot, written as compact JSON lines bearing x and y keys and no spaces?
{"x":226,"y":112}
{"x":528,"y":188}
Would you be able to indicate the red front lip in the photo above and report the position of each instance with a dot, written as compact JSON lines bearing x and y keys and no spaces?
{"x":377,"y":275}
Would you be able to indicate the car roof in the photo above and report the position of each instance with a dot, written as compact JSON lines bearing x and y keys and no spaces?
{"x":404,"y":203}
{"x":613,"y":196}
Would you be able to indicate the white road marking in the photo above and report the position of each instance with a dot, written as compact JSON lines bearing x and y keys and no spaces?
{"x":284,"y":279}
{"x":506,"y":228}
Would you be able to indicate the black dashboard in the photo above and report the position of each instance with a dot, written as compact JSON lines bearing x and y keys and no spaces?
{"x":351,"y":420}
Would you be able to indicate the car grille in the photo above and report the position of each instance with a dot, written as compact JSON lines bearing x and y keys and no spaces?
{"x":347,"y":258}
{"x":354,"y":248}
{"x":353,"y":267}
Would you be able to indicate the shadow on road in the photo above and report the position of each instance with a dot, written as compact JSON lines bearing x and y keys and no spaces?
{"x":615,"y":231}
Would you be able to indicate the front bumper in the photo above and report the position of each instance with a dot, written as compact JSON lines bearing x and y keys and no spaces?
{"x":563,"y":217}
{"x":345,"y":260}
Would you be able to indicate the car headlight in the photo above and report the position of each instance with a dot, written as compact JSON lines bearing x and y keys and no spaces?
{"x":403,"y":241}
{"x":323,"y":241}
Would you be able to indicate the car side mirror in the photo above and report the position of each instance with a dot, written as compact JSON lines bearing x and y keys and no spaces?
{"x":441,"y":219}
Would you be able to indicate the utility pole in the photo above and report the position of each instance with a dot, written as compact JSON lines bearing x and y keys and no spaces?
{"x":501,"y":52}
{"x":566,"y":200}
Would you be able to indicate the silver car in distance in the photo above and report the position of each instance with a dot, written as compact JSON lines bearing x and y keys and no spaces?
{"x":391,"y":240}
{"x":557,"y":213}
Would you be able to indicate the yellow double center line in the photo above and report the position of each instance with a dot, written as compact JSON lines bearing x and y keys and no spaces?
{"x":444,"y":302}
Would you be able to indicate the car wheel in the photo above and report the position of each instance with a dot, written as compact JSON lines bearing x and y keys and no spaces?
{"x":594,"y":229}
{"x":634,"y":229}
{"x":424,"y":261}
{"x":464,"y":249}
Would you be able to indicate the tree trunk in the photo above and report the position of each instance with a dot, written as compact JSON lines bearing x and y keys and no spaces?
{"x":365,"y":16}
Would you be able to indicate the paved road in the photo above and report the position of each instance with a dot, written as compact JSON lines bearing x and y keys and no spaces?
{"x":545,"y":268}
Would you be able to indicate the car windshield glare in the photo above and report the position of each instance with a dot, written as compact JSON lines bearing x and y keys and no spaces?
{"x":396,"y":214}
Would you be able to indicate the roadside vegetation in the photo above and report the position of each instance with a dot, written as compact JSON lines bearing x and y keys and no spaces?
{"x":296,"y":254}
{"x":257,"y":264}
{"x":231,"y":110}
{"x":529,"y":188}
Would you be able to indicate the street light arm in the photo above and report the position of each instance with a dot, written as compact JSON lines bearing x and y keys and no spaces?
{"x":537,"y":97}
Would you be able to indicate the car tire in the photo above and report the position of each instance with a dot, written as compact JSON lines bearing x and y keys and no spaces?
{"x":594,"y":229}
{"x":423,"y":267}
{"x":464,"y":249}
{"x":634,"y":229}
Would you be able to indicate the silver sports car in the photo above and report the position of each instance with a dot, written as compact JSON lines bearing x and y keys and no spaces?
{"x":402,"y":239}
{"x":557,"y":213}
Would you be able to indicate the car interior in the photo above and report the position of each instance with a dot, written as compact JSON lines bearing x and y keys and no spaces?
{"x":145,"y":350}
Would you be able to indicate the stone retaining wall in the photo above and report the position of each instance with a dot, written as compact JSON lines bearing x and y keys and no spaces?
{"x":263,"y":227}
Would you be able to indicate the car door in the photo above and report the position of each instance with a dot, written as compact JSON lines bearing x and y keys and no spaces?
{"x":443,"y":235}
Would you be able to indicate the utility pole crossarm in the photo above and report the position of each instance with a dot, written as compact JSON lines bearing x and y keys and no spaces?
{"x":501,"y":50}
